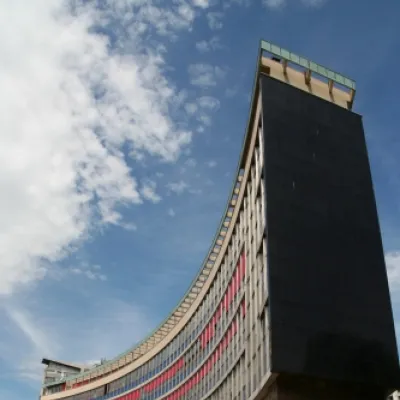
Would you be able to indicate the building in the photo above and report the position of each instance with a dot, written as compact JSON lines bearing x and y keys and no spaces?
{"x":58,"y":370}
{"x":292,"y":300}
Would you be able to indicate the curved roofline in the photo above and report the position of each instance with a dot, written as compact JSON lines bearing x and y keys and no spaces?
{"x":206,"y":260}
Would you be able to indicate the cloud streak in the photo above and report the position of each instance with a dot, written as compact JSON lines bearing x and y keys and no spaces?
{"x":34,"y":334}
{"x":205,"y":75}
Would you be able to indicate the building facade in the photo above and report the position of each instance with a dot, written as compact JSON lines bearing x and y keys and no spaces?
{"x":292,"y":300}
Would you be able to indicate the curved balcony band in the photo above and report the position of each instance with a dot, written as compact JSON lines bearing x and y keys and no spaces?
{"x":215,"y":343}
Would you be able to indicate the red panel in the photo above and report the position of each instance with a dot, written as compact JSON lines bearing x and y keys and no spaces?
{"x":237,"y":277}
{"x":234,"y":285}
{"x":219,"y":311}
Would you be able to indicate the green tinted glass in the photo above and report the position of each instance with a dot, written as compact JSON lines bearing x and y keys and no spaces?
{"x":314,"y":67}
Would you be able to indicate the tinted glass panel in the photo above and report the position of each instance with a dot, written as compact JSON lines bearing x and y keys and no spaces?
{"x":330,"y":308}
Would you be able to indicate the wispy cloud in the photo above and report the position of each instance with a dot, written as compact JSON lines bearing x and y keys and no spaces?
{"x":171,"y":212}
{"x":31,"y":331}
{"x":191,"y":162}
{"x":32,"y":334}
{"x":203,"y":3}
{"x":92,"y":272}
{"x":205,"y":46}
{"x":177,"y":187}
{"x":231,"y":91}
{"x":274,"y":4}
{"x":201,"y":109}
{"x":208,"y":102}
{"x":215,"y":20}
{"x":148,"y":191}
{"x":29,"y":341}
{"x":212,"y":164}
{"x":205,"y":75}
{"x":314,"y":3}
{"x":279,"y":4}
{"x":191,"y":108}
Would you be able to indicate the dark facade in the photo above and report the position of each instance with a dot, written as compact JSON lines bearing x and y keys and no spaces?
{"x":329,"y":303}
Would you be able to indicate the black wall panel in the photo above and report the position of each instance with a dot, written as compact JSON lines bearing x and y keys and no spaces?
{"x":330,"y":311}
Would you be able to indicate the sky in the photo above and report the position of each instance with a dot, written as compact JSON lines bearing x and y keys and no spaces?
{"x":121,"y":125}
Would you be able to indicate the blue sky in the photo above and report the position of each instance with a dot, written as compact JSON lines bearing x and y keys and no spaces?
{"x":122,"y":124}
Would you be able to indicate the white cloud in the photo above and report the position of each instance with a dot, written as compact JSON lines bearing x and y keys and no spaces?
{"x":313,"y":3}
{"x":208,"y":102}
{"x":92,"y":272}
{"x":214,"y":20}
{"x":205,"y":46}
{"x":231,"y":91}
{"x":186,"y":12}
{"x":393,"y":270}
{"x":274,"y":4}
{"x":204,"y":119}
{"x":278,"y":4}
{"x":177,"y":187}
{"x":202,"y":3}
{"x":191,"y":162}
{"x":205,"y":75}
{"x":191,"y":108}
{"x":148,"y":191}
{"x":171,"y":212}
{"x":69,"y":105}
{"x":204,"y":105}
{"x":212,"y":164}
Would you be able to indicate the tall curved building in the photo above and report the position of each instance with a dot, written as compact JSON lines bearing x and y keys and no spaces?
{"x":292,"y":300}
